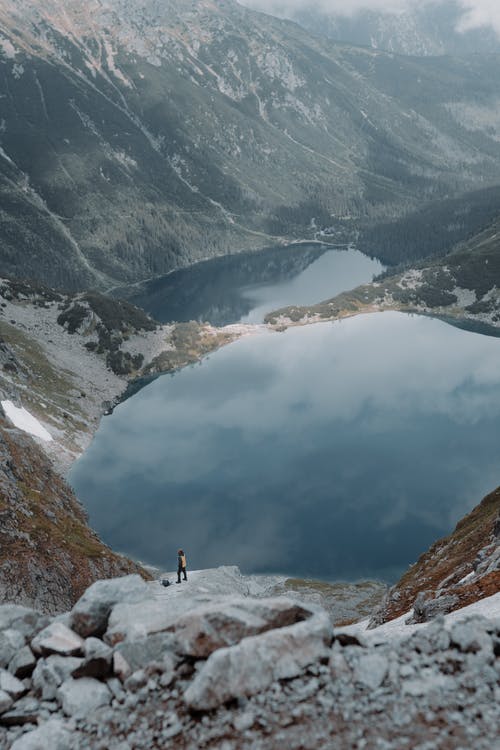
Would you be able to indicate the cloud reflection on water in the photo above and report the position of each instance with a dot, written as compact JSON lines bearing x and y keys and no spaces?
{"x":337,"y":450}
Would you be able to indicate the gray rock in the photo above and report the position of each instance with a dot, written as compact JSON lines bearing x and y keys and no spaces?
{"x":11,"y":641}
{"x":24,"y":711}
{"x":338,"y":664}
{"x":90,"y":614}
{"x":370,"y":669}
{"x":138,"y":653}
{"x":425,"y":609}
{"x":428,"y":681}
{"x":471,"y":636}
{"x":116,"y":688}
{"x":136,"y":680}
{"x":50,"y":736}
{"x":27,"y":621}
{"x":97,"y":661}
{"x":244,"y":721}
{"x":57,"y":638}
{"x":223,"y":621}
{"x":429,"y":640}
{"x":22,"y":663}
{"x":11,"y":685}
{"x":171,"y":726}
{"x":51,"y":672}
{"x":80,"y":697}
{"x":6,"y":701}
{"x":121,"y":667}
{"x":258,"y":661}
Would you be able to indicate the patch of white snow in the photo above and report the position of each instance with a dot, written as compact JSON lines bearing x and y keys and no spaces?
{"x":23,"y":420}
{"x":487,"y":607}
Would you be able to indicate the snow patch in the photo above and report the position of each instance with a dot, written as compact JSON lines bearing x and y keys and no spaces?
{"x":467,"y":577}
{"x":23,"y":420}
{"x":488,"y":607}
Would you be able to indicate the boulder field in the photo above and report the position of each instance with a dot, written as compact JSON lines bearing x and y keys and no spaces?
{"x":134,"y":665}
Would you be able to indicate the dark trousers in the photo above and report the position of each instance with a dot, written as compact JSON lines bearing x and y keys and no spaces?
{"x":179,"y":571}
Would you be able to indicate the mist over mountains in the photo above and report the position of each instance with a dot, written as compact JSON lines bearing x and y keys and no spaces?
{"x":137,"y":138}
{"x":431,"y":27}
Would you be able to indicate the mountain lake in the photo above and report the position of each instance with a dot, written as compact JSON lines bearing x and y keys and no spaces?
{"x":336,"y":450}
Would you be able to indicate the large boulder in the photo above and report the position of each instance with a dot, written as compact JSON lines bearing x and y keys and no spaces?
{"x":50,"y":673}
{"x":90,"y":614}
{"x":425,"y":608}
{"x":57,"y":638}
{"x":130,"y":656}
{"x":97,"y":661}
{"x":79,"y":698}
{"x":255,"y":663}
{"x":223,"y":621}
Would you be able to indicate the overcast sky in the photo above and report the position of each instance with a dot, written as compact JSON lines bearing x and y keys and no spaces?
{"x":476,"y":12}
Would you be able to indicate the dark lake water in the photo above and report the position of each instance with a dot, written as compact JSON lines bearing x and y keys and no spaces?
{"x":246,"y":286}
{"x":335,"y":450}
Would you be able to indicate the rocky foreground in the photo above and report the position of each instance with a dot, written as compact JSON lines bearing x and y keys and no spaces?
{"x":134,"y":665}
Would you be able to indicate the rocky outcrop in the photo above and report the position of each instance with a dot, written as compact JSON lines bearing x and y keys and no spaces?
{"x":48,"y":554}
{"x":457,"y":570}
{"x":277,"y":674}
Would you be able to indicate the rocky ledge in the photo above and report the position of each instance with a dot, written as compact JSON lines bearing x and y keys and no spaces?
{"x":132,"y":667}
{"x":456,"y":571}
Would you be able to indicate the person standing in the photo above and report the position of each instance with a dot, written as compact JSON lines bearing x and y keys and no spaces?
{"x":181,"y":565}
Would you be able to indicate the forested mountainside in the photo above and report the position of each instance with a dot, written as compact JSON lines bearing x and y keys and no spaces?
{"x":134,"y":140}
{"x":427,"y":28}
{"x":462,"y":286}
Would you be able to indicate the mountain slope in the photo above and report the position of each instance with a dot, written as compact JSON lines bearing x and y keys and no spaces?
{"x":136,"y":139}
{"x":426,"y":29}
{"x":67,"y":359}
{"x":48,"y":554}
{"x":456,"y":571}
{"x":461,"y":286}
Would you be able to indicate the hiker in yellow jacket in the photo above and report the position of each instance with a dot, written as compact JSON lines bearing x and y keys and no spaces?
{"x":181,"y":565}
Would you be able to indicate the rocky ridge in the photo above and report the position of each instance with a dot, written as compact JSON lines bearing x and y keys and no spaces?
{"x":130,"y":666}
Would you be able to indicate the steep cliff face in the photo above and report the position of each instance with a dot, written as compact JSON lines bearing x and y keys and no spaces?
{"x":48,"y":554}
{"x":456,"y":571}
{"x":136,"y":138}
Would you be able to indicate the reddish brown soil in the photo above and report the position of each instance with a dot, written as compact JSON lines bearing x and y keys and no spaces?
{"x":449,"y":560}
